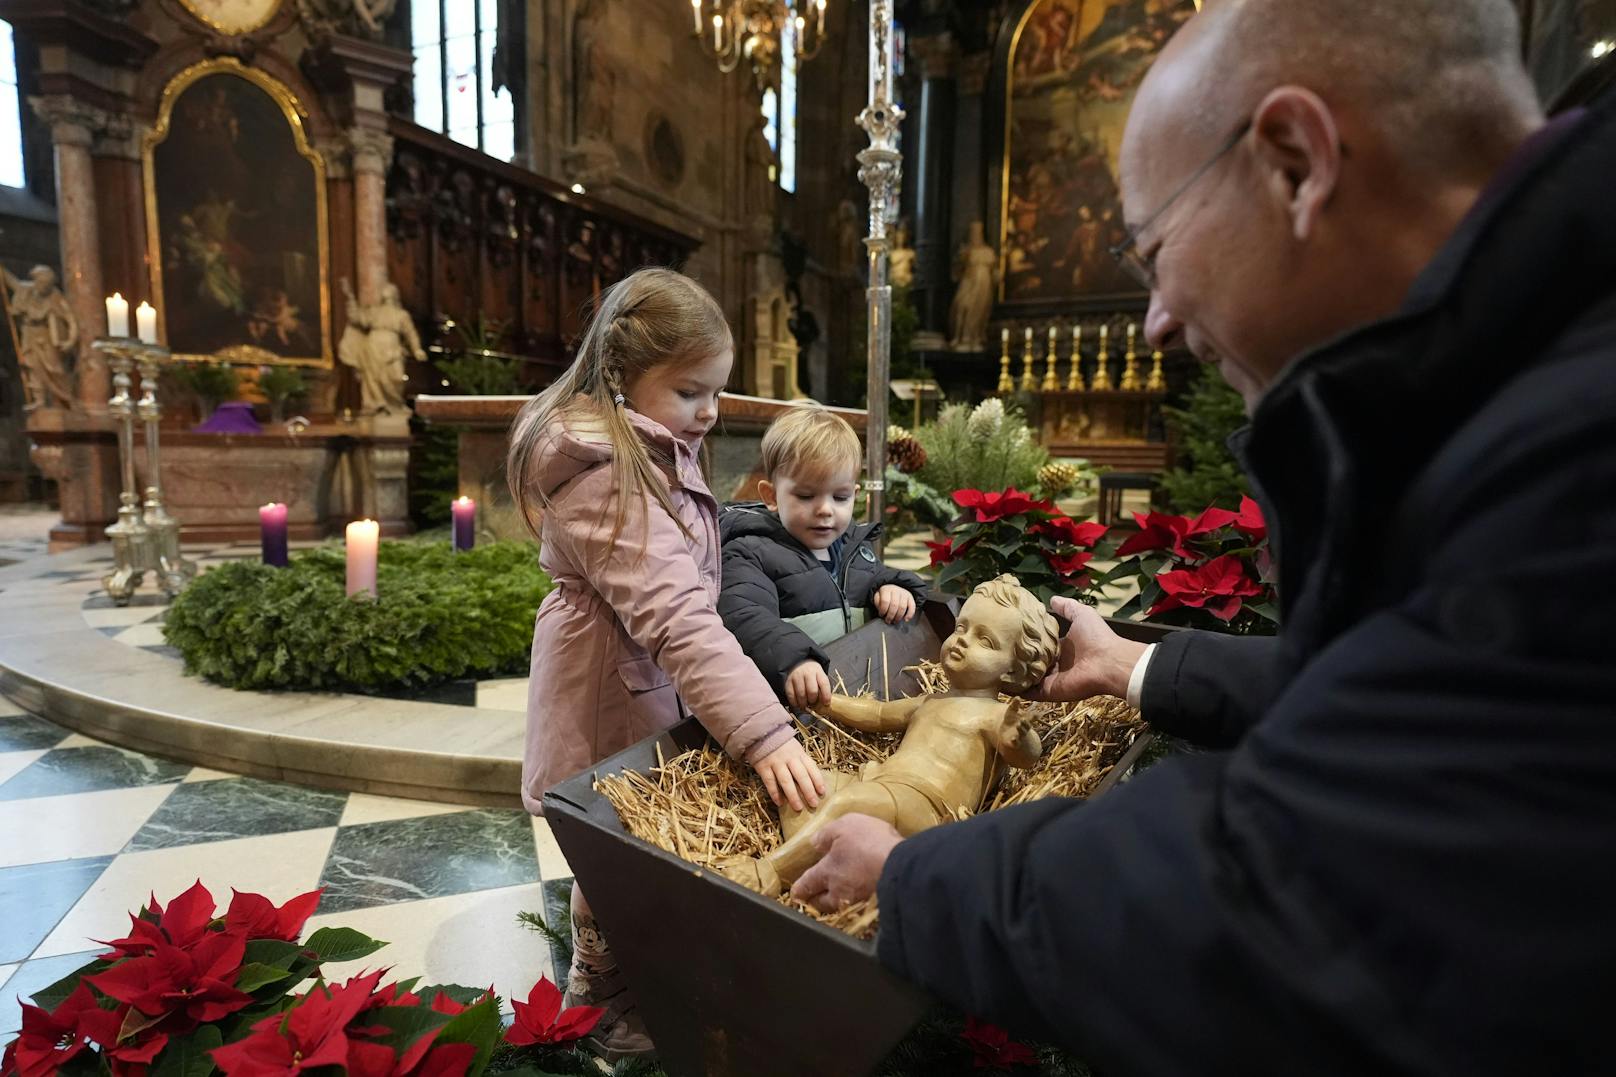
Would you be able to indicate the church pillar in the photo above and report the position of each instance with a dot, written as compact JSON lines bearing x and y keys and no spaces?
{"x":372,"y":155}
{"x":932,"y":162}
{"x":73,"y":128}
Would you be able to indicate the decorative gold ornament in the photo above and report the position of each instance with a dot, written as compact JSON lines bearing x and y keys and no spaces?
{"x":1130,"y":369}
{"x":1102,"y":369}
{"x":1157,"y":381}
{"x":1051,"y":379}
{"x":733,"y":30}
{"x":232,"y":16}
{"x":1029,"y":380}
{"x":1074,"y":380}
{"x":1007,"y":384}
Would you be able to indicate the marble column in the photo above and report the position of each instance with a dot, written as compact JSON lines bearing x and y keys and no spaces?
{"x":73,"y":128}
{"x":932,"y":168}
{"x":372,"y":155}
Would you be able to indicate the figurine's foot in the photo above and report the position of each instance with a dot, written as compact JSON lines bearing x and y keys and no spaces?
{"x":754,"y":874}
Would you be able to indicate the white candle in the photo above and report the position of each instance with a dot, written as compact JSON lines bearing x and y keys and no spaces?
{"x":146,"y":323}
{"x":117,"y":315}
{"x":362,"y":536}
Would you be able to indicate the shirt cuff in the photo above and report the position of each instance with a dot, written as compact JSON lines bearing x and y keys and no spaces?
{"x":1136,"y":679}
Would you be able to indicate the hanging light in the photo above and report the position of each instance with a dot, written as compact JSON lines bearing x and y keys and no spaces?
{"x":734,"y":30}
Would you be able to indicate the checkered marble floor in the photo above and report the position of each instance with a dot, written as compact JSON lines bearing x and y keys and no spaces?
{"x":88,"y":830}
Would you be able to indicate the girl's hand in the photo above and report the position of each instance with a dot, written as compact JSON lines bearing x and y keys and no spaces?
{"x":894,"y":603}
{"x":807,"y":686}
{"x":789,"y":773}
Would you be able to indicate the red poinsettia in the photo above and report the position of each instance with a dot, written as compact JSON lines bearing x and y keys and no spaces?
{"x":127,"y":1040}
{"x":542,"y":1020}
{"x":197,"y":984}
{"x":992,"y":1047}
{"x":1249,"y":522}
{"x":49,"y":1039}
{"x":997,"y":505}
{"x":1068,"y":565}
{"x":1159,"y":531}
{"x":255,"y":917}
{"x":942,"y":552}
{"x":313,"y":1033}
{"x":1065,"y":529}
{"x":1217,"y":587}
{"x":182,"y":924}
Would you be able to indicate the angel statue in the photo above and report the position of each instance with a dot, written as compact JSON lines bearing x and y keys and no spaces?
{"x":374,"y":344}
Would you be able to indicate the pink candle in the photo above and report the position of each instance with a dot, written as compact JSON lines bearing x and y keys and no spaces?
{"x":464,"y":510}
{"x":363,"y":537}
{"x":272,"y":533}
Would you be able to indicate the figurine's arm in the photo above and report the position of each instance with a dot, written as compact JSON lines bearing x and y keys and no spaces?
{"x":1016,"y":739}
{"x":871,"y":715}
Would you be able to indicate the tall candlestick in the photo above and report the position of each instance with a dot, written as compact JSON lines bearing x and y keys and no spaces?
{"x":1157,"y":381}
{"x":117,"y":315}
{"x":1074,"y":381}
{"x":363,"y":537}
{"x":1130,"y":369}
{"x":146,"y":323}
{"x":1051,"y":379}
{"x":464,"y":511}
{"x":1028,"y":381}
{"x":1007,"y":384}
{"x":1102,"y":362}
{"x":272,"y":533}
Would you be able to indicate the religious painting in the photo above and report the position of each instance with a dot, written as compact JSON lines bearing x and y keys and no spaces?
{"x":236,"y":220}
{"x":1074,"y":68}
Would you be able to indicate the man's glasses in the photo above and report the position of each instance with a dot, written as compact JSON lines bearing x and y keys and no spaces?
{"x":1128,"y":254}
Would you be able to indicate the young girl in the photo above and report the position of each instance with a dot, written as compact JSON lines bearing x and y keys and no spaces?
{"x":605,"y":461}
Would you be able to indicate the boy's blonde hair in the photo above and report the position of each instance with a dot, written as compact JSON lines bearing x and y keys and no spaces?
{"x":650,"y":317}
{"x":810,"y":442}
{"x":1039,"y":644}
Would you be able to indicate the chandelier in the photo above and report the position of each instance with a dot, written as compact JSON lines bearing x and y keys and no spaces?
{"x":734,"y":30}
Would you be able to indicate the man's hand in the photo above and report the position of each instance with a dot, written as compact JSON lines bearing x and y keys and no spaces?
{"x":853,"y":851}
{"x":1093,"y":659}
{"x":789,"y":773}
{"x":807,"y":686}
{"x":894,"y":603}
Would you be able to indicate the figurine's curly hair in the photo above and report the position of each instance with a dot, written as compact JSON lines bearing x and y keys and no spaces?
{"x":1040,"y":635}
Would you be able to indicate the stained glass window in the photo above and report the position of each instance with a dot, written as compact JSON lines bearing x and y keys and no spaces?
{"x":453,"y":43}
{"x":11,"y":169}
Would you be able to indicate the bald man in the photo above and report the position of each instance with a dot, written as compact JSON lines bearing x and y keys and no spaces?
{"x":1400,"y":855}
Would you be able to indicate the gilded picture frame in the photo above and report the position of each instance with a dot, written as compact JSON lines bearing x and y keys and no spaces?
{"x":237,"y":221}
{"x":1069,"y":76}
{"x":233,"y":16}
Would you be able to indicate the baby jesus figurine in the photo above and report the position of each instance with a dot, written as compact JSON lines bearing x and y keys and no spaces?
{"x":954,"y":745}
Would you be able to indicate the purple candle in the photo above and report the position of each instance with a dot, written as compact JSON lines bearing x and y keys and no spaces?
{"x":464,"y":510}
{"x":272,"y":530}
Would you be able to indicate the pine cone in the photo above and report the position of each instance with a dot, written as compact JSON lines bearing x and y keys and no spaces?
{"x":986,"y":419}
{"x":904,"y":452}
{"x":1058,"y":479}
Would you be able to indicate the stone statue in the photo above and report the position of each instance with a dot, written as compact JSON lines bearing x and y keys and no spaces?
{"x":374,"y":344}
{"x":46,"y":331}
{"x":362,"y":18}
{"x":976,"y":267}
{"x":594,"y":81}
{"x":760,"y":170}
{"x":901,"y":258}
{"x":954,"y":745}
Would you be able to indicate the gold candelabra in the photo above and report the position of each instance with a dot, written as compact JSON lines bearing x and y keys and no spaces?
{"x":1102,"y":369}
{"x":1051,"y":379}
{"x":1157,"y":381}
{"x":1074,"y":380}
{"x":1029,"y":380}
{"x":1130,"y":369}
{"x":1007,"y":384}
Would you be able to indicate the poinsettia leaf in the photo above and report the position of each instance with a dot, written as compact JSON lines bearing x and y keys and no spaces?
{"x":48,"y":998}
{"x":271,"y":952}
{"x":1032,"y":564}
{"x":950,"y":573}
{"x":255,"y":975}
{"x":462,"y":994}
{"x":337,"y":944}
{"x":479,"y":1025}
{"x":1149,"y":593}
{"x":189,"y":1056}
{"x":1131,"y":609}
{"x":135,"y":1022}
{"x":404,"y":1024}
{"x":1004,"y":549}
{"x":1265,"y":610}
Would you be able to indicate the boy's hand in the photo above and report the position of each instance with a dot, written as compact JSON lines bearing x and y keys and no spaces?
{"x":807,"y":686}
{"x":894,"y":603}
{"x":788,"y":772}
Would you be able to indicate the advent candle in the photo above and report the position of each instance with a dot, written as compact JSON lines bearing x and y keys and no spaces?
{"x":363,"y":536}
{"x":146,"y":323}
{"x":117,"y":315}
{"x":272,"y":533}
{"x":464,"y":510}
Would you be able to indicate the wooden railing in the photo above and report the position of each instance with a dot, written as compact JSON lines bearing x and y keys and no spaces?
{"x":470,"y":237}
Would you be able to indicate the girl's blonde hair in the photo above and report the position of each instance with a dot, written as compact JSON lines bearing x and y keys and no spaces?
{"x":650,"y":317}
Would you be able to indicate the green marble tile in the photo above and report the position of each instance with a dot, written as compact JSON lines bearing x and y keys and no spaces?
{"x":35,"y":897}
{"x":25,"y":733}
{"x":434,"y":856}
{"x":85,"y":770}
{"x":226,"y":808}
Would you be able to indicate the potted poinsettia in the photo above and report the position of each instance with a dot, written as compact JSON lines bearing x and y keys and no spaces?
{"x":189,"y":991}
{"x":1211,"y":571}
{"x":1012,"y":531}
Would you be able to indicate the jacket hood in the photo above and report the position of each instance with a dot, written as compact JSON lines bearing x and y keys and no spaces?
{"x":577,"y":444}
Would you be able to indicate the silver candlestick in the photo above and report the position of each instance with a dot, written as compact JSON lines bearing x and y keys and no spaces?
{"x":173,"y":570}
{"x":880,"y":169}
{"x":131,"y":539}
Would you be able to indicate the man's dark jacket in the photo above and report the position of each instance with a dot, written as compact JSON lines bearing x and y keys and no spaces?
{"x":1405,"y":859}
{"x":769,"y":576}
